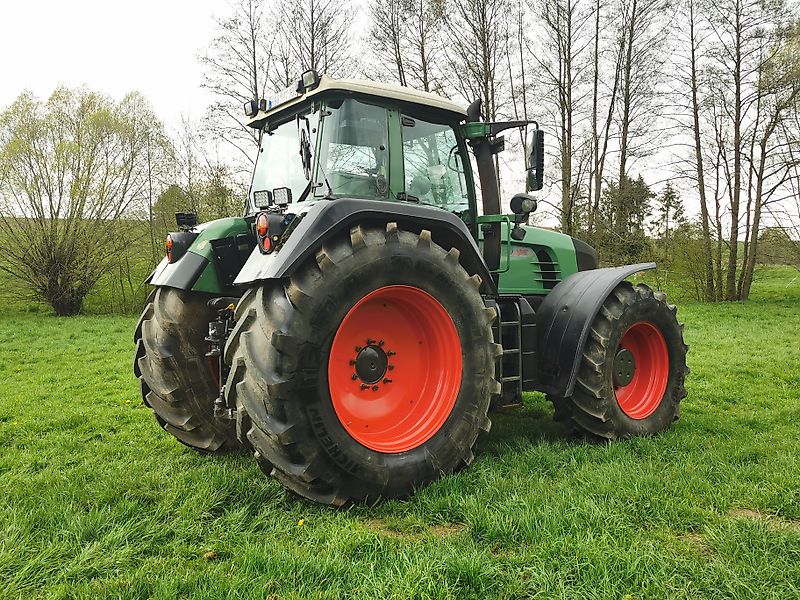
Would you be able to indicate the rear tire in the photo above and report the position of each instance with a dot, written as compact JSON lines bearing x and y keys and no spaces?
{"x":609,"y":403}
{"x":290,"y":406}
{"x":175,"y":376}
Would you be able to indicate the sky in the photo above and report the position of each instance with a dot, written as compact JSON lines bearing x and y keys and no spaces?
{"x":112,"y":47}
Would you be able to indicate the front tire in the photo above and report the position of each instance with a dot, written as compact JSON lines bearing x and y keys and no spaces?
{"x":310,"y":368}
{"x":633,"y":368}
{"x":176,"y":379}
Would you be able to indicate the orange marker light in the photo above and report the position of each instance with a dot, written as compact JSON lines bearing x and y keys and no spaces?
{"x":262,"y":225}
{"x":169,"y":248}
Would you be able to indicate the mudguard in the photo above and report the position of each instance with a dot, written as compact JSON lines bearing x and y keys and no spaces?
{"x":563,"y":321}
{"x":182,"y":274}
{"x":211,"y":260}
{"x":328,"y":218}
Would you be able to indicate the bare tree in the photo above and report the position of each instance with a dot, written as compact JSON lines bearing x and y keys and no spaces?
{"x":476,"y":40}
{"x":771,"y":166}
{"x":387,"y":37}
{"x":689,"y":67}
{"x":643,"y":26}
{"x":404,"y":37}
{"x":314,"y":34}
{"x":562,"y":58}
{"x":476,"y":37}
{"x":237,"y":65}
{"x":608,"y":93}
{"x":423,"y":24}
{"x":749,"y":102}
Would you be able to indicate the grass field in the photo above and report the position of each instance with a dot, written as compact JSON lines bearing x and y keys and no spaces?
{"x":96,"y":502}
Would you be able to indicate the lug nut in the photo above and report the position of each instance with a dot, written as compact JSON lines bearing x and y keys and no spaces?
{"x":354,"y":376}
{"x":359,"y":348}
{"x":390,"y":367}
{"x":390,"y":353}
{"x":380,"y":343}
{"x":370,"y":342}
{"x":387,"y":380}
{"x":364,"y":386}
{"x":352,"y":362}
{"x":375,"y":388}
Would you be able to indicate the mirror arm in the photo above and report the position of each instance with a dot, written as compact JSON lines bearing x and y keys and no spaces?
{"x":495,"y":128}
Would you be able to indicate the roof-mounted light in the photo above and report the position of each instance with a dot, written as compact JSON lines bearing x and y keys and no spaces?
{"x":308,"y":81}
{"x":251,"y":108}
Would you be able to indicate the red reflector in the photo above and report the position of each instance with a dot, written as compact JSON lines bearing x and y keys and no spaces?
{"x":262,"y":225}
{"x":266,"y":244}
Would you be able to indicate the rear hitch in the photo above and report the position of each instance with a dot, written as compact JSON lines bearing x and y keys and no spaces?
{"x":218,"y":332}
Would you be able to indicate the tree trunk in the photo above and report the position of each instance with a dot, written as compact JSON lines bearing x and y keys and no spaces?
{"x":704,"y":217}
{"x":733,"y":238}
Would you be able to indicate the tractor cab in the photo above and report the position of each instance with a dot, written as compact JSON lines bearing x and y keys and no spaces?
{"x":357,"y":139}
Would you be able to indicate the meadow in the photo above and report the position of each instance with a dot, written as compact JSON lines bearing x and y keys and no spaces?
{"x":97,"y":502}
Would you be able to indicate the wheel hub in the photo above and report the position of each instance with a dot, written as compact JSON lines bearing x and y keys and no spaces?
{"x":371,"y":364}
{"x":624,"y":367}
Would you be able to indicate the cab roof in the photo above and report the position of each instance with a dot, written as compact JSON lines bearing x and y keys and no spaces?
{"x":363,"y":87}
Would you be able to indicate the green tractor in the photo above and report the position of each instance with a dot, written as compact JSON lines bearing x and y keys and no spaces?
{"x":354,"y":327}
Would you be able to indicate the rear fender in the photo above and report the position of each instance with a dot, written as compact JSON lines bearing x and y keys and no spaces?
{"x":212,"y":260}
{"x":564,"y":319}
{"x":329,"y":218}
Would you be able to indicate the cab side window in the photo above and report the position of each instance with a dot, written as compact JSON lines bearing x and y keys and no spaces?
{"x":434,"y":172}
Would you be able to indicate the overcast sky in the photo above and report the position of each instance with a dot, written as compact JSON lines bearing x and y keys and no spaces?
{"x":112,"y":47}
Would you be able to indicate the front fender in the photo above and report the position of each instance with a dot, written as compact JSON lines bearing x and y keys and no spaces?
{"x":329,"y":218}
{"x":563,"y":321}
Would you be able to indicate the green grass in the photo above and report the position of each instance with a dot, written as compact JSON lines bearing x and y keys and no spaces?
{"x":96,"y":501}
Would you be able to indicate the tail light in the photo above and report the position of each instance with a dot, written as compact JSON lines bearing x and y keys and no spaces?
{"x":177,"y":243}
{"x":263,"y":232}
{"x":262,"y":225}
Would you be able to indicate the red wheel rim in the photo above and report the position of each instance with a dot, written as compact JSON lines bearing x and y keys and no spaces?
{"x":643,"y":394}
{"x":394,"y":370}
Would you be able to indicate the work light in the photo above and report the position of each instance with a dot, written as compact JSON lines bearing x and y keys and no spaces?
{"x":308,"y":81}
{"x":282,"y":196}
{"x":262,"y":198}
{"x":251,"y":108}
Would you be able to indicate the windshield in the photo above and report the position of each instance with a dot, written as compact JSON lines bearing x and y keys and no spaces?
{"x":279,"y":162}
{"x":353,"y":150}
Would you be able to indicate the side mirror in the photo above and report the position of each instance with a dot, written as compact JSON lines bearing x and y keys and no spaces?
{"x":535,"y":162}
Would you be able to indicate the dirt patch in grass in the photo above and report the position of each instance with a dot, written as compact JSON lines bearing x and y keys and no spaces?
{"x":697,"y":542}
{"x":412,"y":530}
{"x":774,"y":521}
